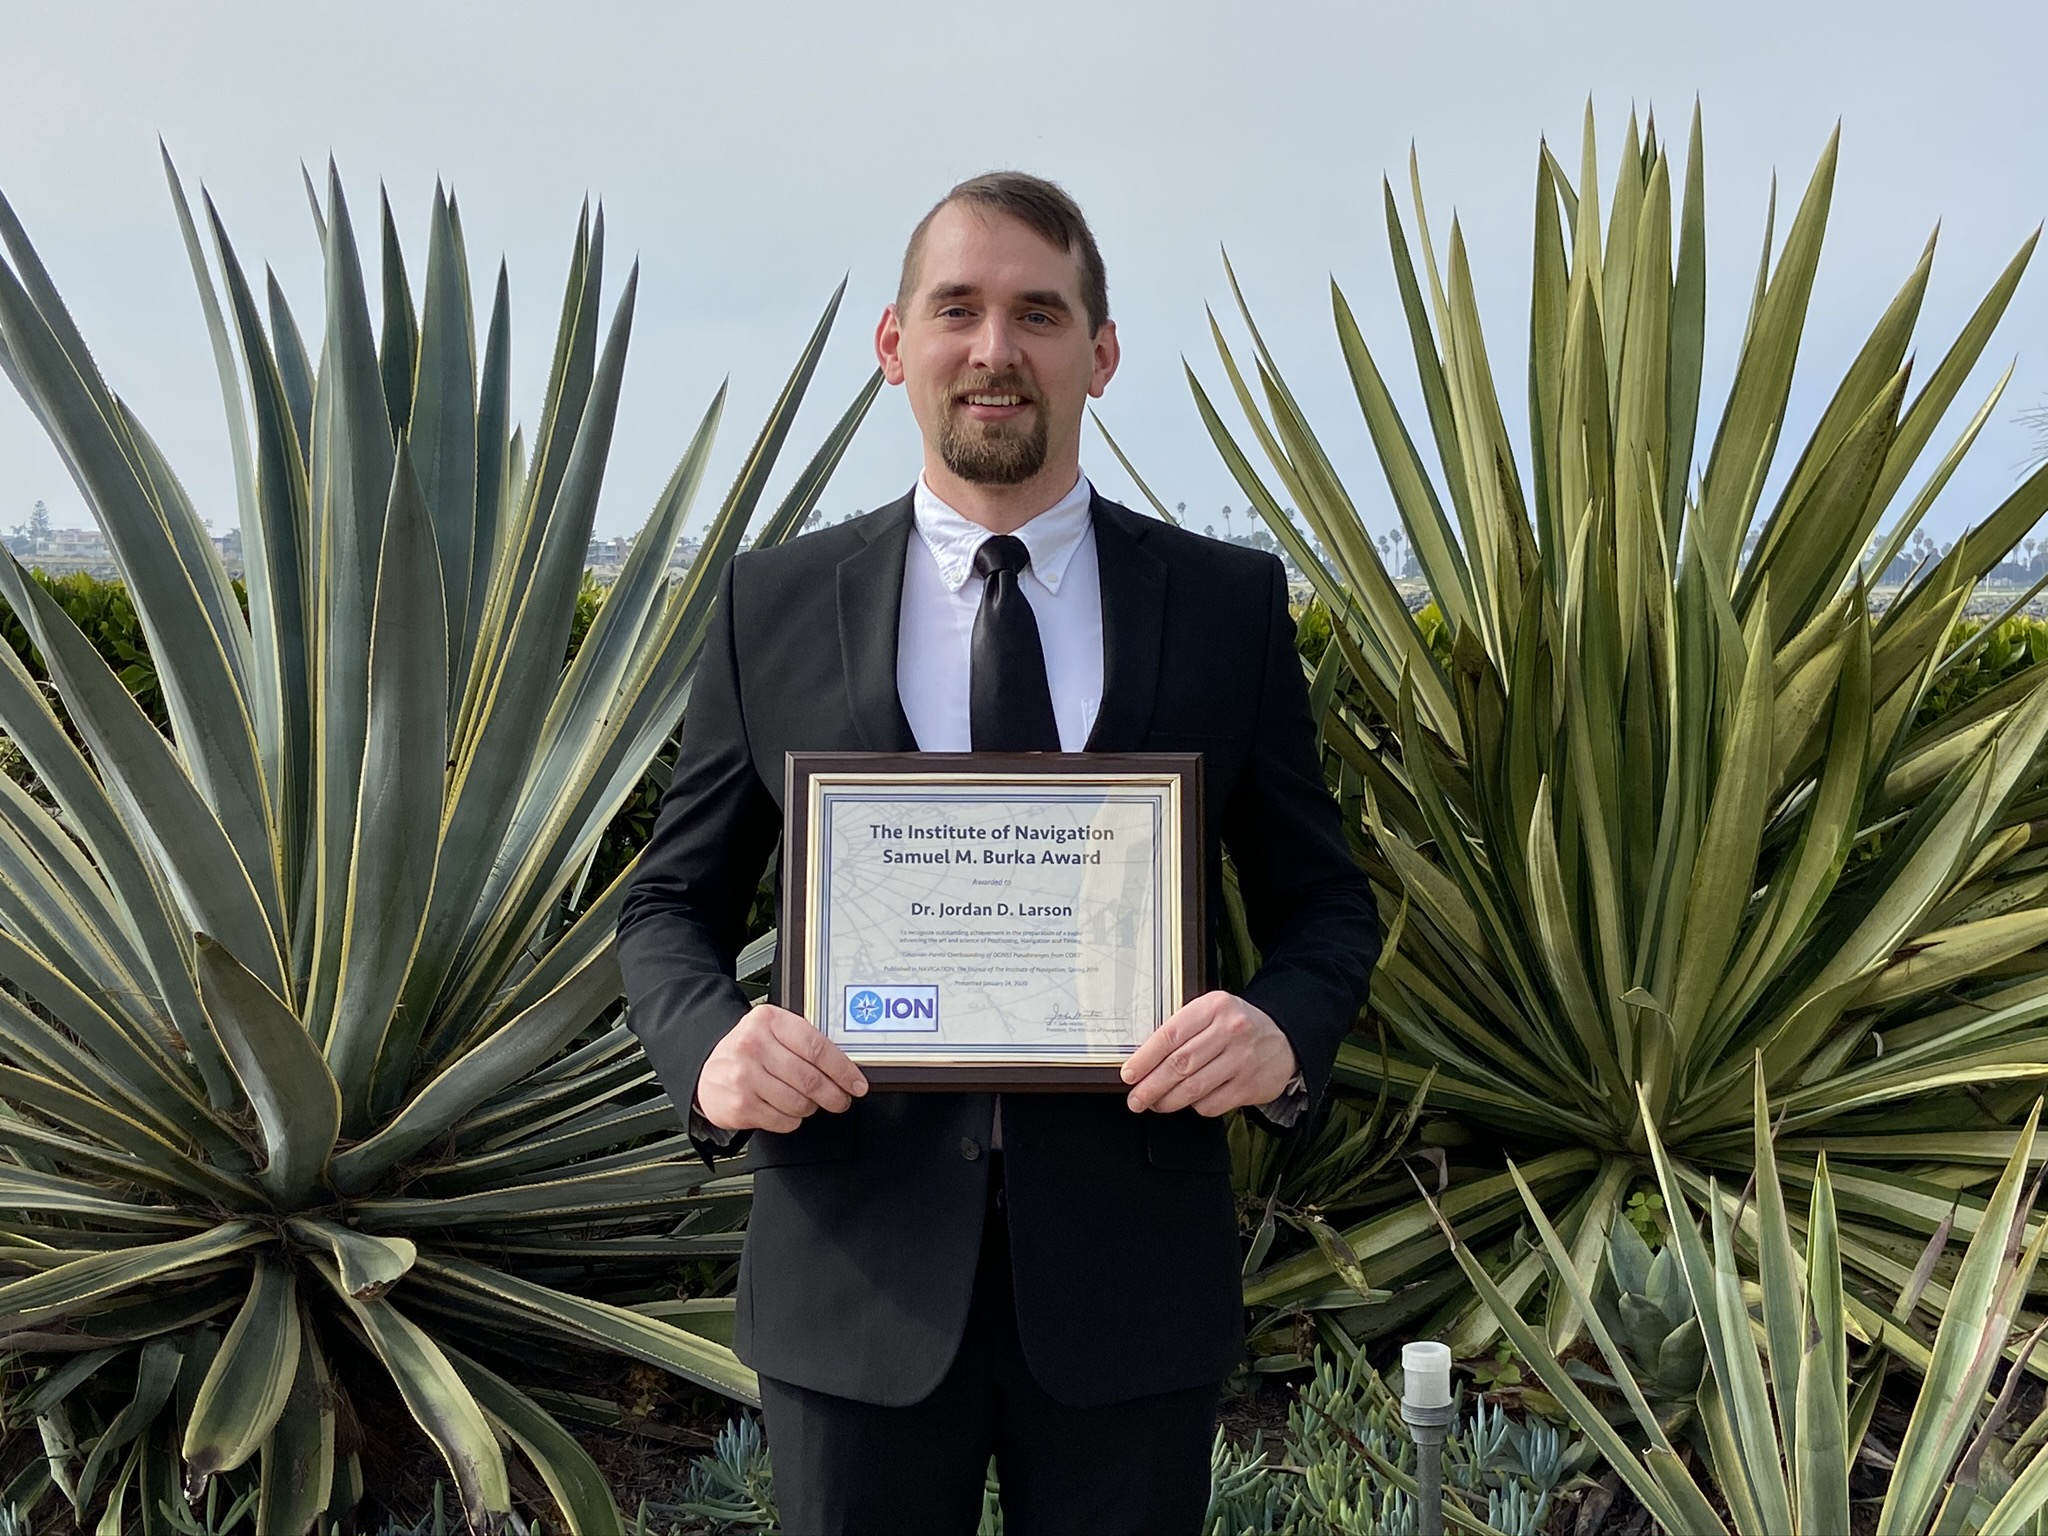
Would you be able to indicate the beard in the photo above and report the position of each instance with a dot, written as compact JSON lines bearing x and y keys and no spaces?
{"x":993,"y":452}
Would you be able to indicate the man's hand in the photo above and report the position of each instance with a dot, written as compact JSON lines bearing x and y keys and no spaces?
{"x":1217,"y":1054}
{"x":771,"y":1071}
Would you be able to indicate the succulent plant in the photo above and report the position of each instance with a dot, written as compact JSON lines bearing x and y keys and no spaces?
{"x":314,"y":1067}
{"x":1344,"y":1468}
{"x":1667,"y":797}
{"x":1781,"y":1422}
{"x":1644,"y":1303}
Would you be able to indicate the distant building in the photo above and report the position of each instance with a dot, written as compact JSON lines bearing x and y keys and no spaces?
{"x":608,"y":554}
{"x":62,"y":550}
{"x":606,"y":558}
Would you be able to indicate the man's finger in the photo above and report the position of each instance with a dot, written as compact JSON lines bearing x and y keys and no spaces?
{"x":838,"y":1066}
{"x":780,"y":1095}
{"x":803,"y":1078}
{"x":1190,"y":1021}
{"x":1230,"y":1096}
{"x":1154,"y":1047}
{"x":1183,"y":1065}
{"x":1179,"y":1093}
{"x":810,"y":1043}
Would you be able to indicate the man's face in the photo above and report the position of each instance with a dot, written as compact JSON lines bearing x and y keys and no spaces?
{"x":993,"y":346}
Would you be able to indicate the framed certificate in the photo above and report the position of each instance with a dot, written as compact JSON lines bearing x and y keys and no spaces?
{"x":969,"y":922}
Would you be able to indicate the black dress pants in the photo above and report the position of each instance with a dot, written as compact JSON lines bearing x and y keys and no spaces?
{"x":845,"y":1468}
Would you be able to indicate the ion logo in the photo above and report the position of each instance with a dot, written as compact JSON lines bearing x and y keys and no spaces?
{"x":892,"y":1010}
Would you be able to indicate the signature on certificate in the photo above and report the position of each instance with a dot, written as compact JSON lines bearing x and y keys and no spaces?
{"x":1081,"y":1021}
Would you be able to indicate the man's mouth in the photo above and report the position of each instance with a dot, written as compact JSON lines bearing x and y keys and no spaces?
{"x":993,"y":404}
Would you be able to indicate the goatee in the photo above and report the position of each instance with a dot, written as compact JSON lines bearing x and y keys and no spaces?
{"x":992,"y":452}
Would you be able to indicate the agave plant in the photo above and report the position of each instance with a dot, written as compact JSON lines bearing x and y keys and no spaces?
{"x":316,"y":1098}
{"x":1782,"y":1426}
{"x":1644,"y":1304}
{"x":1667,"y":804}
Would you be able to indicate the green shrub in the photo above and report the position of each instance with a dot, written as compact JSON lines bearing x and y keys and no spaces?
{"x":1982,"y":657}
{"x":106,"y":616}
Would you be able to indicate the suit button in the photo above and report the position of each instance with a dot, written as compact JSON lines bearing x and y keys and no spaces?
{"x":970,"y":1148}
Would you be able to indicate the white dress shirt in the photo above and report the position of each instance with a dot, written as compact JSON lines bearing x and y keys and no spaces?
{"x":942,"y":595}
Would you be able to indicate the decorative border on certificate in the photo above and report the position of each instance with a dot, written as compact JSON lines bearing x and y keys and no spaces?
{"x":962,"y":921}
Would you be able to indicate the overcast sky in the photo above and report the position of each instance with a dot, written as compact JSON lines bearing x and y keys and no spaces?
{"x":752,"y":154}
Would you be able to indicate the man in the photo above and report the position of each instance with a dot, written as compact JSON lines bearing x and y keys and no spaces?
{"x":1049,"y":1279}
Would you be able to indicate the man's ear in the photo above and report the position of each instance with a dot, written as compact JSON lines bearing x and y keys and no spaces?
{"x":889,"y":345}
{"x":1107,"y":355}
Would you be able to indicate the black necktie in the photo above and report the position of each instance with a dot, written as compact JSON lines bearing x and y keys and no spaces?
{"x":1009,"y":702}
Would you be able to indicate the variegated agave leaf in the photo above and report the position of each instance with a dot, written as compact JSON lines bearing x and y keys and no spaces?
{"x":312,"y":1043}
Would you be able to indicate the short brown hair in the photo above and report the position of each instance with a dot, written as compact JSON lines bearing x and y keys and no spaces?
{"x":1042,"y":206}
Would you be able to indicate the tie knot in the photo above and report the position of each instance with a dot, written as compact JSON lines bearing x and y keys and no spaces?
{"x":1001,"y":552}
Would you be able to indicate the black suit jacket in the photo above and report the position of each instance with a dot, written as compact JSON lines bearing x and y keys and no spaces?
{"x":865,"y":1228}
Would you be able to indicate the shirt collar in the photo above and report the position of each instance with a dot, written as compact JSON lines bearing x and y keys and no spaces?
{"x":1051,"y":537}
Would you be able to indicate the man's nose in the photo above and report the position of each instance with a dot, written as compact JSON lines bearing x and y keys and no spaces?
{"x":995,"y":344}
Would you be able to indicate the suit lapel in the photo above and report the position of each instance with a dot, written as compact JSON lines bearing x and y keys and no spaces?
{"x":870,"y":591}
{"x":1133,"y":628}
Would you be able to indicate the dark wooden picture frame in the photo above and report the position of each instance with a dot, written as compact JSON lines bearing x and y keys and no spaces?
{"x":793,"y":949}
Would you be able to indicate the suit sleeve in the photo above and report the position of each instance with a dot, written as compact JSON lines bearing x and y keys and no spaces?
{"x":1308,"y":904}
{"x":683,"y":920}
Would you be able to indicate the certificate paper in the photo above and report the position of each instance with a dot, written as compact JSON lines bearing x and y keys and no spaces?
{"x":988,"y":921}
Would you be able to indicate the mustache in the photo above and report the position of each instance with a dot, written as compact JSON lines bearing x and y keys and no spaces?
{"x":995,"y":384}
